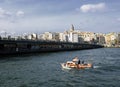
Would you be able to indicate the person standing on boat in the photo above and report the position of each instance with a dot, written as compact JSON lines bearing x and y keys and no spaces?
{"x":79,"y":62}
{"x":83,"y":62}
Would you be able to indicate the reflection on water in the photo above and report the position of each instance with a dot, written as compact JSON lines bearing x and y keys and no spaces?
{"x":44,"y":70}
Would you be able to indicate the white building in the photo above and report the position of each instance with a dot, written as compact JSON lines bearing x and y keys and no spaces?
{"x":51,"y":36}
{"x":47,"y":36}
{"x":40,"y":37}
{"x":63,"y":37}
{"x":73,"y":37}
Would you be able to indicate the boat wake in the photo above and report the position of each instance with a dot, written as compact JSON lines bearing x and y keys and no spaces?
{"x":95,"y":67}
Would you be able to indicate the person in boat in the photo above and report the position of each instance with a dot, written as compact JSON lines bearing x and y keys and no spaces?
{"x":83,"y":62}
{"x":79,"y":62}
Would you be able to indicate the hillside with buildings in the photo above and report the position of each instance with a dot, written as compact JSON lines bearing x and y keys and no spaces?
{"x":71,"y":35}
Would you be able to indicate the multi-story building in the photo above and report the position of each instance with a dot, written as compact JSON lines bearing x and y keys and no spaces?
{"x":73,"y":37}
{"x":55,"y":36}
{"x":111,"y":39}
{"x":63,"y":37}
{"x":118,"y":39}
{"x":51,"y":36}
{"x":100,"y":39}
{"x":40,"y":36}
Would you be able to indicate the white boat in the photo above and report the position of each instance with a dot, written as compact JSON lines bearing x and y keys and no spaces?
{"x":73,"y":65}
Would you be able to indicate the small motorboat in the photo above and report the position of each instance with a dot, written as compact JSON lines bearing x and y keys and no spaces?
{"x":74,"y":65}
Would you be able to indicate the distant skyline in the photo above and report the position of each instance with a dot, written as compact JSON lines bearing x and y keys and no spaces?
{"x":38,"y":16}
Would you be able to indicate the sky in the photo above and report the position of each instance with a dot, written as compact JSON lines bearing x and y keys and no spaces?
{"x":38,"y":16}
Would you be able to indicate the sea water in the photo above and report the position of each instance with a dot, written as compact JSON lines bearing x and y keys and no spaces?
{"x":44,"y":69}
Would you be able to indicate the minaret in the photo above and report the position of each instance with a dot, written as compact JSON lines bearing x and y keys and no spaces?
{"x":72,"y":28}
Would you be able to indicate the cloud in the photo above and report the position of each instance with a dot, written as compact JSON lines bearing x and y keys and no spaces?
{"x":7,"y":14}
{"x":4,"y":13}
{"x":93,"y":7}
{"x":19,"y":13}
{"x":8,"y":19}
{"x":118,"y":19}
{"x":2,"y":31}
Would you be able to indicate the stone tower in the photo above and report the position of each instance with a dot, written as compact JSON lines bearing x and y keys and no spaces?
{"x":72,"y":28}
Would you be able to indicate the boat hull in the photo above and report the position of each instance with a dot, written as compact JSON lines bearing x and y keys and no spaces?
{"x":76,"y":66}
{"x":65,"y":66}
{"x":84,"y":66}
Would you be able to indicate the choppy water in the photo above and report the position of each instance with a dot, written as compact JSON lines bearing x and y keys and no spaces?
{"x":44,"y":70}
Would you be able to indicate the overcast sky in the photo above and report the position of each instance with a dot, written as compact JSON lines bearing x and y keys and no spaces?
{"x":20,"y":16}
